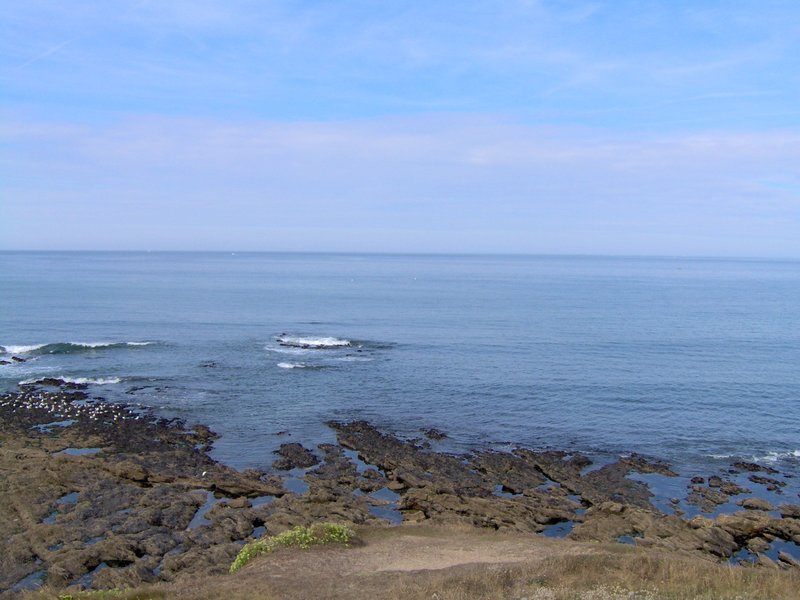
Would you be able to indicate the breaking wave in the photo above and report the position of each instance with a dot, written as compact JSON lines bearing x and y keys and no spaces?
{"x":77,"y":380}
{"x":68,"y":347}
{"x":774,"y":457}
{"x":21,"y":349}
{"x":313,"y":343}
{"x":769,"y":457}
{"x":288,"y":365}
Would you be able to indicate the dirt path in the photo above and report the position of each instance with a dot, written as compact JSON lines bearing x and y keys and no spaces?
{"x":431,"y":549}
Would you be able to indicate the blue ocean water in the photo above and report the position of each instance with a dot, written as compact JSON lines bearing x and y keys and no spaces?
{"x":691,"y":360}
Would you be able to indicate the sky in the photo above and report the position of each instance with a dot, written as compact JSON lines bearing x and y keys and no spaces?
{"x":625,"y":127}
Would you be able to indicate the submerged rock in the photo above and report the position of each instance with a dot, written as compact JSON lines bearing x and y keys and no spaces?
{"x":770,"y":483}
{"x":434,"y":434}
{"x":753,"y":467}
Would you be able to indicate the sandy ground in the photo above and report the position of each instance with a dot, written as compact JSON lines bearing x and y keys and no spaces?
{"x":424,"y":548}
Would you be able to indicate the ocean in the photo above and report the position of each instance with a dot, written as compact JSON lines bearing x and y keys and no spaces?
{"x":695,"y":361}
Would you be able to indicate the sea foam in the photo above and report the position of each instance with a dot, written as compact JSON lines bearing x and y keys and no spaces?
{"x":77,"y":380}
{"x":67,"y":347}
{"x":773,"y":457}
{"x":317,"y":343}
{"x":20,"y":349}
{"x":287,"y":365}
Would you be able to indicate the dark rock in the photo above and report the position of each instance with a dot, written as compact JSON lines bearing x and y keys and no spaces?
{"x":204,"y":432}
{"x":753,"y":467}
{"x":748,"y":524}
{"x":294,"y":456}
{"x":138,"y":497}
{"x":755,"y":504}
{"x":434,"y":434}
{"x":641,"y":464}
{"x":56,"y":382}
{"x":725,"y":486}
{"x":130,"y":470}
{"x":762,"y":560}
{"x":707,"y":499}
{"x":758,"y":544}
{"x":513,"y":472}
{"x":732,"y":489}
{"x":240,"y":502}
{"x":771,"y":484}
{"x":371,"y":474}
{"x":18,"y":359}
{"x":608,"y":521}
{"x":788,"y":559}
{"x":134,"y":500}
{"x":790,"y":511}
{"x":698,"y":480}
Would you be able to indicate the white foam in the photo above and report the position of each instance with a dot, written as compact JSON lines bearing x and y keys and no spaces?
{"x":25,"y":349}
{"x":95,"y":381}
{"x":78,"y":380}
{"x":313,"y":342}
{"x":107,"y":344}
{"x":286,"y":365}
{"x":21,"y":349}
{"x":773,"y":457}
{"x":287,"y":350}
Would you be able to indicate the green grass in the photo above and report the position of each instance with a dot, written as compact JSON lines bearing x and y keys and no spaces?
{"x":304,"y":537}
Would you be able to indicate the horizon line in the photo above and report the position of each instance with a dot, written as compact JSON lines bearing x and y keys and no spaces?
{"x":418,"y":254}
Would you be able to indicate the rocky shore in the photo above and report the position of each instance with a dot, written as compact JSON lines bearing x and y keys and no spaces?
{"x":99,"y":495}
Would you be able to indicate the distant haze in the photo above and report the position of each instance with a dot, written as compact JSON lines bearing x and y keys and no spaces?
{"x":501,"y":127}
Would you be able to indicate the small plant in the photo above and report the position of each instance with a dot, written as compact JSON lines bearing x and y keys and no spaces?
{"x":304,"y":537}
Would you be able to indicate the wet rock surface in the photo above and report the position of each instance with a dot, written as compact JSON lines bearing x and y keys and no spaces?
{"x":527,"y":490}
{"x":294,"y":456}
{"x":139,"y":500}
{"x":147,"y":505}
{"x":434,"y":434}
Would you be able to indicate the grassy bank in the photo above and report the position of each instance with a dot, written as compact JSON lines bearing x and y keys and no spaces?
{"x":419,"y":563}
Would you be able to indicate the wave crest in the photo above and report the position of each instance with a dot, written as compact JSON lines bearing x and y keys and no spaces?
{"x":75,"y":380}
{"x":313,"y":343}
{"x":773,"y":457}
{"x":288,"y":365}
{"x":68,"y":347}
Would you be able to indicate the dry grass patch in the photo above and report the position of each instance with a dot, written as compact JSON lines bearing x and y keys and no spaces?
{"x":605,"y":576}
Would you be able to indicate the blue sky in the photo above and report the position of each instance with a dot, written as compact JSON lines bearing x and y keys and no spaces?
{"x":520,"y":126}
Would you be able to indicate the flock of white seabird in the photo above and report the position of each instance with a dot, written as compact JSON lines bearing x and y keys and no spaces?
{"x":61,"y":406}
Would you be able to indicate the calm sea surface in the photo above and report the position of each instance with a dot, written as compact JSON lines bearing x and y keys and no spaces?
{"x":685,"y":359}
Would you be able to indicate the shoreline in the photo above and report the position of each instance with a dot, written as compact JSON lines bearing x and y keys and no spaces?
{"x":101,"y":495}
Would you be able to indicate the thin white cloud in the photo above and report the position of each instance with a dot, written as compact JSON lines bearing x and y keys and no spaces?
{"x":442,"y":177}
{"x":44,"y":54}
